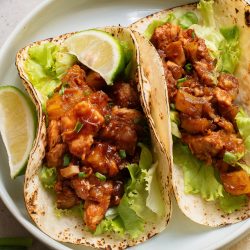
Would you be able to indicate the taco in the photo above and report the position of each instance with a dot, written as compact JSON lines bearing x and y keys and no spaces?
{"x":96,"y":175}
{"x":203,"y":49}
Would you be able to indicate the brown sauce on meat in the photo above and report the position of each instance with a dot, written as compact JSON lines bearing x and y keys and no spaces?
{"x":204,"y":100}
{"x":91,"y":124}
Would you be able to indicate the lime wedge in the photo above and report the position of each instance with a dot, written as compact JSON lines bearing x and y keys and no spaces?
{"x":17,"y":127}
{"x":99,"y":51}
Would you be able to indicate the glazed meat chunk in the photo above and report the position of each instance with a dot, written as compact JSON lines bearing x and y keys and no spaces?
{"x":175,"y":53}
{"x":75,"y":77}
{"x":195,"y":125}
{"x":95,"y":81}
{"x":122,"y":129}
{"x":55,"y":155}
{"x":189,"y":104}
{"x":125,"y":95}
{"x":236,"y":183}
{"x":104,"y":158}
{"x":65,"y":196}
{"x":53,"y":134}
{"x":230,"y":84}
{"x":164,"y":35}
{"x":175,"y":69}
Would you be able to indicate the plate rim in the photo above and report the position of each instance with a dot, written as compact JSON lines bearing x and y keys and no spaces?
{"x":7,"y":200}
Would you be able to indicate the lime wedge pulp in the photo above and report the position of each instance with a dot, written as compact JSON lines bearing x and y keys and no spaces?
{"x":99,"y":51}
{"x":17,"y":127}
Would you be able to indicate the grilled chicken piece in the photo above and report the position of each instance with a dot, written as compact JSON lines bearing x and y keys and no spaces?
{"x":229,"y":83}
{"x":118,"y":191}
{"x":75,"y":77}
{"x":53,"y":134}
{"x":229,"y":112}
{"x":65,"y":196}
{"x":206,"y":76}
{"x":125,"y":95}
{"x":80,"y":146}
{"x":104,"y":158}
{"x":95,"y":81}
{"x":164,"y":35}
{"x":214,"y":144}
{"x":175,"y":69}
{"x":122,"y":129}
{"x":97,"y":196}
{"x":195,"y":125}
{"x":189,"y":104}
{"x":88,"y":114}
{"x":205,"y":147}
{"x":55,"y":155}
{"x":196,"y":50}
{"x":222,"y":97}
{"x":54,"y":107}
{"x":236,"y":183}
{"x":225,"y":125}
{"x":94,"y":212}
{"x":171,"y":82}
{"x":175,"y":52}
{"x":100,"y":100}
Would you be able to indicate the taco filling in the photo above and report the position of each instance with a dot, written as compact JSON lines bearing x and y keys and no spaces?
{"x":98,"y":150}
{"x":211,"y":132}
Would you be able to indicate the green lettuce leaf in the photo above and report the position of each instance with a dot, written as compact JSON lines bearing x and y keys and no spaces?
{"x":229,"y":203}
{"x":76,"y":211}
{"x":175,"y":122}
{"x":244,"y":167}
{"x":199,"y":178}
{"x":156,"y":23}
{"x":48,"y":177}
{"x":230,"y":50}
{"x":46,"y":65}
{"x":243,"y":124}
{"x":133,"y":224}
{"x":187,"y":19}
{"x":110,"y":225}
{"x":202,"y":179}
{"x":206,"y":9}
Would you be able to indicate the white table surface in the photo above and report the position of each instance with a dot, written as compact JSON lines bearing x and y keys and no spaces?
{"x":11,"y":12}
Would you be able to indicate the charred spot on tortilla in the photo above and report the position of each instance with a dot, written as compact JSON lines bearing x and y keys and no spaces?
{"x":247,"y":18}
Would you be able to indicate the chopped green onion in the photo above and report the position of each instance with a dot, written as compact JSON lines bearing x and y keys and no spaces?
{"x":16,"y":241}
{"x":188,"y":67}
{"x":180,"y":81}
{"x":78,"y":127}
{"x":100,"y":176}
{"x":107,"y":118}
{"x":82,"y":175}
{"x":122,"y":153}
{"x":66,"y":160}
{"x":172,"y":106}
{"x":110,"y":104}
{"x":193,"y":34}
{"x":137,"y":120}
{"x":61,"y":91}
{"x":232,"y":158}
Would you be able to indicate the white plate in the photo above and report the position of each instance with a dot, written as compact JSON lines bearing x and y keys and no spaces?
{"x":57,"y":17}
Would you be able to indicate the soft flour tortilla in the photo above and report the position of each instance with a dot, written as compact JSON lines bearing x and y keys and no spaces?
{"x":41,"y":204}
{"x":227,"y":12}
